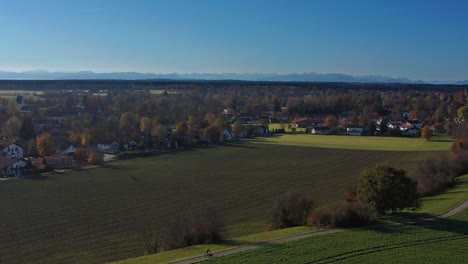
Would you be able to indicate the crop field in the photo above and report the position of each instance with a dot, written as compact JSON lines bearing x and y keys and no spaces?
{"x":443,"y":241}
{"x":440,"y":143}
{"x":94,"y":216}
{"x":433,"y":205}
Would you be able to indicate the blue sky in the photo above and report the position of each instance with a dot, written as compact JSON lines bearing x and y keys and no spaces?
{"x":425,"y":40}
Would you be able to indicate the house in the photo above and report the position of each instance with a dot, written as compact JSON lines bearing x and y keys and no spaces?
{"x":59,"y":162}
{"x":410,"y":130}
{"x":354,"y":130}
{"x":109,"y":148}
{"x":394,"y":125}
{"x":14,"y":150}
{"x":302,"y":122}
{"x":69,"y":151}
{"x":8,"y":167}
{"x":320,"y":130}
{"x":132,"y":145}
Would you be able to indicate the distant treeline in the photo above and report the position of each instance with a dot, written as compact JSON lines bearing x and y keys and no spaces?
{"x":42,"y":85}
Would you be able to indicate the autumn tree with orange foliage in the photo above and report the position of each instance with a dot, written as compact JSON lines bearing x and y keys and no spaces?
{"x":46,"y":145}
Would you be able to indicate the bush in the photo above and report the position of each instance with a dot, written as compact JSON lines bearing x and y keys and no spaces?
{"x":345,"y":215}
{"x":321,"y":219}
{"x":353,"y":214}
{"x":290,"y":209}
{"x":459,"y":148}
{"x":192,"y":230}
{"x":436,"y":173}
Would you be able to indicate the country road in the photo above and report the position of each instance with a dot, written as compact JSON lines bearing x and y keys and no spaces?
{"x":452,"y":212}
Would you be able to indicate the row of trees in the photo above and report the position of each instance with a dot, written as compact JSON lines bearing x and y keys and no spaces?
{"x":122,"y":114}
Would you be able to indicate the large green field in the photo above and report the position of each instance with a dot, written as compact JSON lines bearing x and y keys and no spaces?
{"x":441,"y":143}
{"x":93,"y":216}
{"x":442,"y":241}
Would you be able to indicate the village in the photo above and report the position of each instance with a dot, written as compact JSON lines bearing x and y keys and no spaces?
{"x":41,"y":136}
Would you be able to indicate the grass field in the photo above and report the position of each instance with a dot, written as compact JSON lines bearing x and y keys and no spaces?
{"x":441,"y":143}
{"x":443,"y":241}
{"x":451,"y":198}
{"x":93,"y":216}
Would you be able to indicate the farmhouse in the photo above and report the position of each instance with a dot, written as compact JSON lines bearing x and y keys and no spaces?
{"x":354,"y":130}
{"x":15,"y":152}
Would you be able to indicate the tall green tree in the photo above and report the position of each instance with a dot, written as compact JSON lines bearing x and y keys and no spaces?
{"x":387,"y":189}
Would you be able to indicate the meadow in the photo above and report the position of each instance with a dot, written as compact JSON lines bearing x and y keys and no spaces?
{"x":438,"y":143}
{"x":96,"y":215}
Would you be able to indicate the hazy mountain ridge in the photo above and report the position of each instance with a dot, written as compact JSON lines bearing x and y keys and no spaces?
{"x":293,"y":77}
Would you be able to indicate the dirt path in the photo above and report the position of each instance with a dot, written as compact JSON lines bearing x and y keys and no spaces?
{"x":452,"y":212}
{"x":455,"y":210}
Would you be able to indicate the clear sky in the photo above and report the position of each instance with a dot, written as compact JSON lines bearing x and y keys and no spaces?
{"x":424,"y":39}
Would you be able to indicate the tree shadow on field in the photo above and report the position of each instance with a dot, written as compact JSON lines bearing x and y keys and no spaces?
{"x":240,"y":144}
{"x":427,"y":221}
